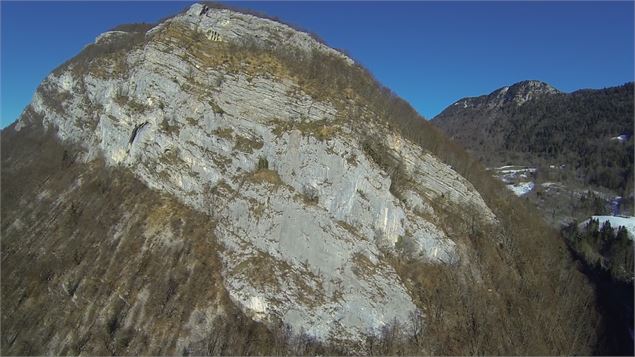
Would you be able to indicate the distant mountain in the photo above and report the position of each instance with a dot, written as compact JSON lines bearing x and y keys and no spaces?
{"x":583,"y":140}
{"x":518,"y":94}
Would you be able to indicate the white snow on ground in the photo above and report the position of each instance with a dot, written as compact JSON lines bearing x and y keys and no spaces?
{"x":511,"y":173}
{"x":515,"y":171}
{"x":503,"y":167}
{"x":616,"y":221}
{"x":509,"y":169}
{"x":515,"y":178}
{"x":621,"y":138}
{"x":521,"y":188}
{"x":550,"y":184}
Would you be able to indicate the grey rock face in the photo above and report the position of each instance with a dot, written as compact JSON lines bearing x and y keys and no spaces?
{"x":305,"y":233}
{"x":517,"y":93}
{"x":226,"y":25}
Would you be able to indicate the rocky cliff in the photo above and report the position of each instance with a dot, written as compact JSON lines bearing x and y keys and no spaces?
{"x":274,"y":166}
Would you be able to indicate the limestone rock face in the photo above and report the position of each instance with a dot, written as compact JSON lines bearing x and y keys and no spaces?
{"x":304,"y":213}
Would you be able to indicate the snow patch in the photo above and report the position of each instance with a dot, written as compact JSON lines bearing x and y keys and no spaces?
{"x":521,"y":188}
{"x":528,"y":170}
{"x":617,"y":221}
{"x":511,"y":173}
{"x":549,"y":184}
{"x":621,"y":138}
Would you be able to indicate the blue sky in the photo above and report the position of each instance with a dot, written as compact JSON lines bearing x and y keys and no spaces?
{"x":429,"y":53}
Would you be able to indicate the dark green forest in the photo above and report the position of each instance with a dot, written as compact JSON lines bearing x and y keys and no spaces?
{"x":603,"y":247}
{"x":576,"y":130}
{"x":572,"y":131}
{"x":605,"y":255}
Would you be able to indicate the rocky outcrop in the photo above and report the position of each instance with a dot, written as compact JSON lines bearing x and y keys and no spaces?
{"x":304,"y":213}
{"x":518,"y":94}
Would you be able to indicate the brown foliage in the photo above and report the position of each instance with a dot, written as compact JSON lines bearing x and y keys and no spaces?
{"x":75,"y":271}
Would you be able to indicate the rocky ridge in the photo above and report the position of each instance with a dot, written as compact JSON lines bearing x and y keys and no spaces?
{"x":518,"y":93}
{"x":289,"y":180}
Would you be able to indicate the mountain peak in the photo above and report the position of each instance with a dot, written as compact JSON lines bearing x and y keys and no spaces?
{"x":532,"y":86}
{"x":221,"y":23}
{"x":520,"y":92}
{"x":517,"y":93}
{"x":243,"y":118}
{"x":251,"y":184}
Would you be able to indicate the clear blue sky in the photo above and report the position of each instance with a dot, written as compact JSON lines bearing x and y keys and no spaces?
{"x":430,"y":53}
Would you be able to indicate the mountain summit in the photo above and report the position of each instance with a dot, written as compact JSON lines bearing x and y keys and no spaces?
{"x":223,"y":183}
{"x":517,"y":93}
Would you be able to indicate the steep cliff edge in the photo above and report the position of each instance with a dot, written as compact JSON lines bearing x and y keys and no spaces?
{"x":321,"y":201}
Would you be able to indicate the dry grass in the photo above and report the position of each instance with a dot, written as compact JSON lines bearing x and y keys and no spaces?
{"x":191,"y":121}
{"x":352,"y":230}
{"x":322,"y":130}
{"x":215,"y":107}
{"x":105,"y":60}
{"x":362,"y":266}
{"x":265,"y":176}
{"x":352,"y":160}
{"x":126,"y":102}
{"x":54,"y":99}
{"x":253,"y":267}
{"x":247,"y":145}
{"x":106,"y":243}
{"x":170,"y":129}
